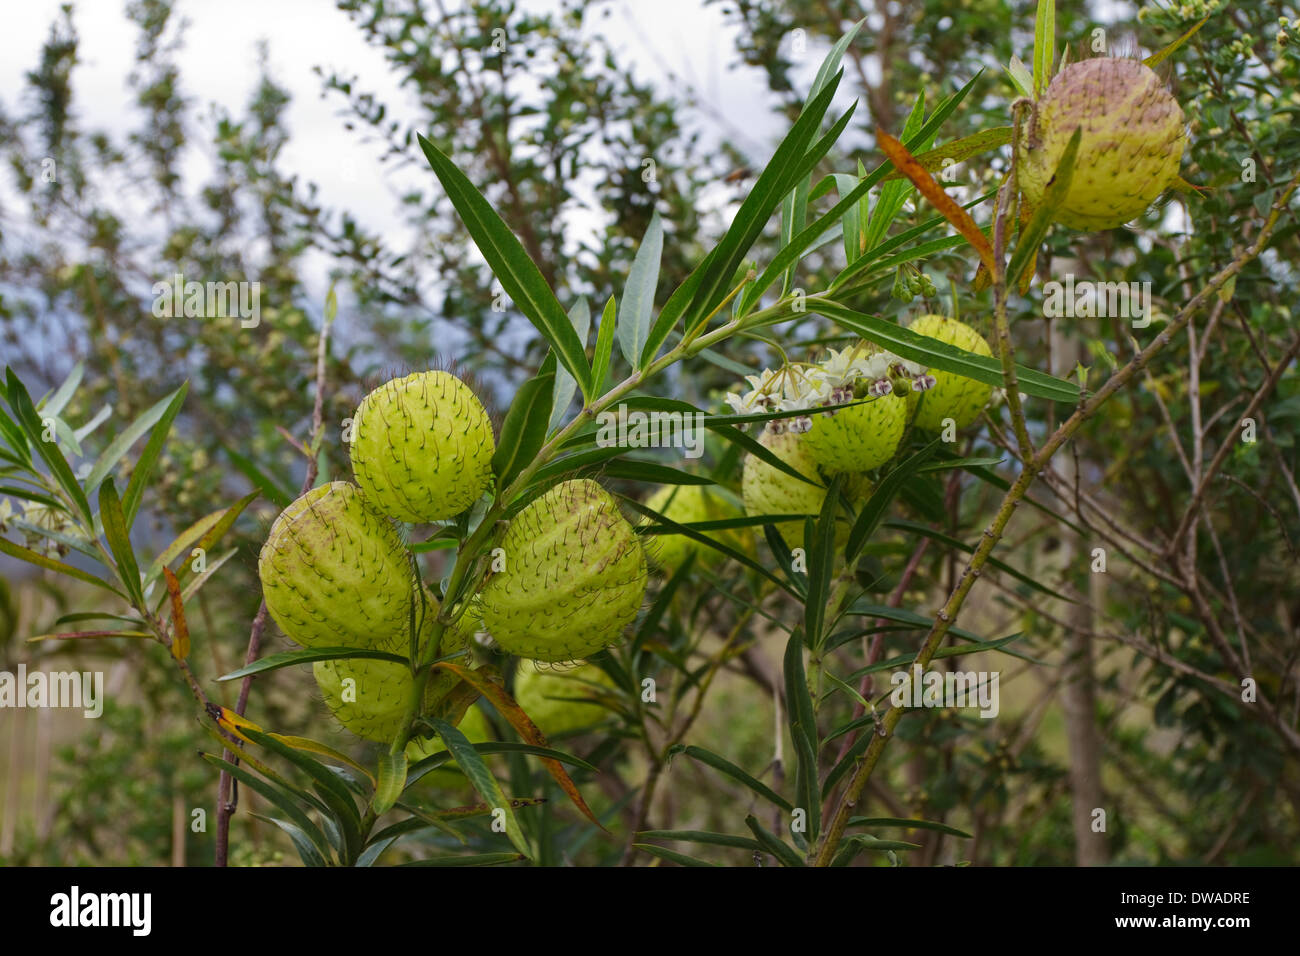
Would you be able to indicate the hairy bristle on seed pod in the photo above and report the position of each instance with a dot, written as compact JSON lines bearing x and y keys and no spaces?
{"x":561,"y":700}
{"x":952,"y":396}
{"x":422,"y":447}
{"x":574,"y":577}
{"x":1129,"y":151}
{"x":335,"y":572}
{"x":687,"y":504}
{"x":769,"y":491}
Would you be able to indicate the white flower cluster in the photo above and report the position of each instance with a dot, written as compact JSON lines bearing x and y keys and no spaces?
{"x":830,"y":382}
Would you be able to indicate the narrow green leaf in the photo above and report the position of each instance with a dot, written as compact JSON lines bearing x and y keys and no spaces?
{"x":1033,"y":233}
{"x":54,"y":405}
{"x":672,"y":856}
{"x":309,"y":655}
{"x":821,"y":563}
{"x":1044,"y":44}
{"x":469,"y":761}
{"x":524,"y":431}
{"x":28,"y":419}
{"x":935,"y":354}
{"x":1157,"y":58}
{"x":636,"y":309}
{"x":909,"y":824}
{"x":149,"y":457}
{"x":723,"y":765}
{"x":127,"y":437}
{"x":604,"y":351}
{"x":517,"y":273}
{"x":119,"y":540}
{"x":565,"y":385}
{"x":307,"y":850}
{"x":392,"y":781}
{"x":1021,"y":78}
{"x":774,"y":844}
{"x":702,"y":836}
{"x":274,"y":796}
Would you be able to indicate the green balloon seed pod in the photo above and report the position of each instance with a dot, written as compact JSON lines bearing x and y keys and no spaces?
{"x":376,"y":700}
{"x":422,"y":447}
{"x":335,"y":572}
{"x":555,"y":697}
{"x":952,"y":396}
{"x":858,"y":438}
{"x":769,"y":491}
{"x":574,"y":578}
{"x":1130,"y":149}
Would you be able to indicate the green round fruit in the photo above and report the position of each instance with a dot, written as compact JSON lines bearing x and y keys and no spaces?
{"x":952,"y":396}
{"x":375,"y":702}
{"x":686,"y":504}
{"x":422,"y":447}
{"x":554,"y":697}
{"x":769,"y":491}
{"x":574,"y":578}
{"x":858,"y":438}
{"x":1129,"y":151}
{"x":335,"y":572}
{"x":367,"y":697}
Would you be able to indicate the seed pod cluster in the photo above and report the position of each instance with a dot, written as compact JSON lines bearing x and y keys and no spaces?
{"x":335,"y":570}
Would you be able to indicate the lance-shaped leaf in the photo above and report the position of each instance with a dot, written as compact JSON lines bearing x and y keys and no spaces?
{"x":119,"y":541}
{"x":636,"y":308}
{"x":524,"y":431}
{"x":469,"y":761}
{"x":51,"y":564}
{"x":517,"y":273}
{"x":30,"y":422}
{"x":705,"y":288}
{"x":149,"y":457}
{"x":565,"y":385}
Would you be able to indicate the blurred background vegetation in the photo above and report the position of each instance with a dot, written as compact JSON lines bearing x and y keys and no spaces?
{"x":1128,"y":701}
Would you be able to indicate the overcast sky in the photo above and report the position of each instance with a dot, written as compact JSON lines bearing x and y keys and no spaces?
{"x":219,"y":65}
